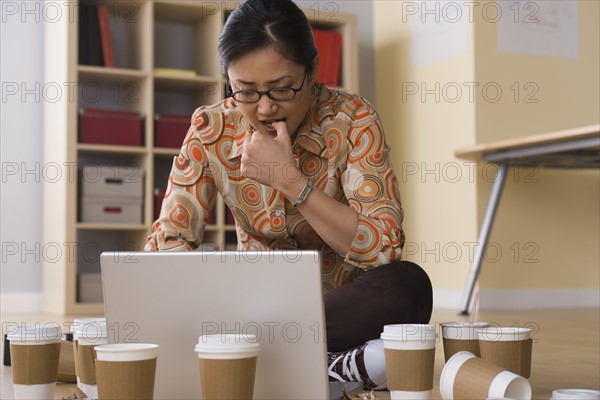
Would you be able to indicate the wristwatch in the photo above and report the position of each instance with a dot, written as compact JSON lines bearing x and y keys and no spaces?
{"x":304,"y":193}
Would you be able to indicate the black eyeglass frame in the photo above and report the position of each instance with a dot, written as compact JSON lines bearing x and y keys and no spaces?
{"x":230,"y":93}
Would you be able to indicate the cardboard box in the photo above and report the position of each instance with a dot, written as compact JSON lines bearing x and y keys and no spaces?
{"x":113,"y":127}
{"x":111,"y":210}
{"x":170,"y":129}
{"x":112,"y":181}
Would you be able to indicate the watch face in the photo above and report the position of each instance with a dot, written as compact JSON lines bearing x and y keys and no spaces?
{"x":304,"y":192}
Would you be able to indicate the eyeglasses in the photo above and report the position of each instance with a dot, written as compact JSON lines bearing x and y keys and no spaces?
{"x":275,"y":94}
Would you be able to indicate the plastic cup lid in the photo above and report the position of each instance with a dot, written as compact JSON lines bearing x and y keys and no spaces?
{"x":409,"y":332}
{"x":127,"y":351}
{"x":465,"y":324}
{"x":36,"y":334}
{"x":91,"y":330}
{"x":575,"y":394}
{"x":227,"y":343}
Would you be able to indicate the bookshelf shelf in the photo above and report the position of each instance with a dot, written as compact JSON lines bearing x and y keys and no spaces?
{"x":112,"y":227}
{"x":152,"y":41}
{"x":109,"y":149}
{"x":91,"y":70}
{"x":162,"y":78}
{"x":164,"y":151}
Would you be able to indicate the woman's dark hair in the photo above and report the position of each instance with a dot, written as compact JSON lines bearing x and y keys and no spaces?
{"x":258,"y":24}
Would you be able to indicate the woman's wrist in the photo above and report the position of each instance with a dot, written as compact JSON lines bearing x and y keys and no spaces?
{"x":291,"y":188}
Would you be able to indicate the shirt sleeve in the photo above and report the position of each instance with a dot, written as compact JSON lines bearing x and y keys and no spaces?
{"x":190,"y":196}
{"x":371,"y":188}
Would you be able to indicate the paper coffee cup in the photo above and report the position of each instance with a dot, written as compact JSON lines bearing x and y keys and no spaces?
{"x":409,"y":358}
{"x":468,"y":377}
{"x":126,"y":370}
{"x":575,"y":394}
{"x":227,"y":365}
{"x":35,"y":353}
{"x":87,"y":334}
{"x":461,"y":336}
{"x":509,"y":348}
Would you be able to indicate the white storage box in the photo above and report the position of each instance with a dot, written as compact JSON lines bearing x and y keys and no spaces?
{"x":112,"y":181}
{"x":116,"y":210}
{"x":90,"y":288}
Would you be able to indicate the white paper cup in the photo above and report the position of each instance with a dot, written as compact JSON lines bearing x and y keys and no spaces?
{"x":508,"y":347}
{"x":31,"y":392}
{"x":461,"y":336}
{"x":227,"y":364}
{"x":87,"y":334}
{"x":410,"y":356}
{"x":116,"y":365}
{"x":35,"y":353}
{"x":575,"y":394}
{"x":470,"y":380}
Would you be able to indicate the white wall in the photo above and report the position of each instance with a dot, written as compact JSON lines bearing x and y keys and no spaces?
{"x":21,"y":69}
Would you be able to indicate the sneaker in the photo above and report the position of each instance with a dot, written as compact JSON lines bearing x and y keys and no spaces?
{"x":349,"y":366}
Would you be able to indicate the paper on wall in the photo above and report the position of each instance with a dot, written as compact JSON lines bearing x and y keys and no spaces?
{"x":542,"y":28}
{"x":439,"y":30}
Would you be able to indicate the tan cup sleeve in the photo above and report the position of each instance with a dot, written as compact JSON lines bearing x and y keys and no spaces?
{"x":410,"y":370}
{"x":35,"y":364}
{"x":473,"y":379}
{"x":453,"y":346}
{"x":227,"y":379}
{"x":126,"y":380}
{"x":86,"y":364}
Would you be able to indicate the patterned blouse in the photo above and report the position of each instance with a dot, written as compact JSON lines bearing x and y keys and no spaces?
{"x":340,"y":146}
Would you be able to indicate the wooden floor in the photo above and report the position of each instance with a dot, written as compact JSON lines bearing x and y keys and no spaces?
{"x":566,"y":352}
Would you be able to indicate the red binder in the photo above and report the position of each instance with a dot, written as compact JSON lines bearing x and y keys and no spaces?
{"x":101,"y":126}
{"x":170,"y":129}
{"x":329,"y":46}
{"x":105,"y":39}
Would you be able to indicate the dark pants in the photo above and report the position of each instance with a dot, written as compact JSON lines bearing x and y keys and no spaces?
{"x":396,"y":293}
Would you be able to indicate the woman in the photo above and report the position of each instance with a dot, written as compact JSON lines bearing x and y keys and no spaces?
{"x":301,"y":166}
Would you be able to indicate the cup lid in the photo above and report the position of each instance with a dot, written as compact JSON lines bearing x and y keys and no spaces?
{"x":36,"y":334}
{"x":127,"y":351}
{"x":466,"y":324}
{"x":227,"y":343}
{"x":575,"y":394}
{"x":93,"y":329}
{"x":409,"y":332}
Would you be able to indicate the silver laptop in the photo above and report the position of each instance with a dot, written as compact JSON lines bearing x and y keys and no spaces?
{"x":172,"y":298}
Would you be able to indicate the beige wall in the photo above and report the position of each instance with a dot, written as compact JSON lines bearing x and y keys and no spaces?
{"x":548,"y":223}
{"x":437,"y":193}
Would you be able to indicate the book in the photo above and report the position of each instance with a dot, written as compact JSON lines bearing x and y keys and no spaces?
{"x":90,"y":49}
{"x":105,"y":39}
{"x":329,"y":46}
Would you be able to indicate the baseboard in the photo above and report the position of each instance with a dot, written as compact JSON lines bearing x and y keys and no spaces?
{"x":447,"y":298}
{"x":520,"y":299}
{"x":18,"y":303}
{"x":538,"y":299}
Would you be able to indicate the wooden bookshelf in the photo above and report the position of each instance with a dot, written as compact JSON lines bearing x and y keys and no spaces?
{"x":144,"y":80}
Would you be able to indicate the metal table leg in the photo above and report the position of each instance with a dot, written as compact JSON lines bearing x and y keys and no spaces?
{"x":484,"y":234}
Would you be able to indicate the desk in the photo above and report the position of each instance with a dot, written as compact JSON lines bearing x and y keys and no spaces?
{"x":573,"y":148}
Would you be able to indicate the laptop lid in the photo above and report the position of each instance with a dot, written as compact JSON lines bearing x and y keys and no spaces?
{"x":172,"y":298}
